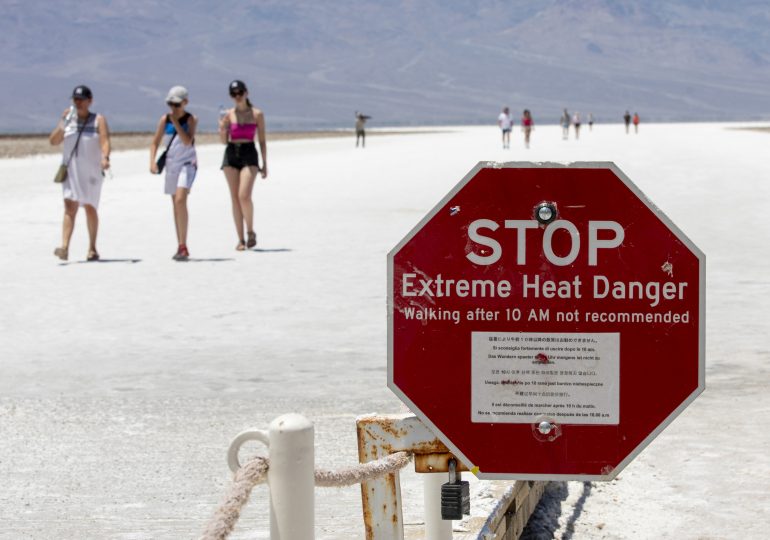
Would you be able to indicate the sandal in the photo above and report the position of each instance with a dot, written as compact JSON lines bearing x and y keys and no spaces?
{"x":252,"y":240}
{"x":241,"y":246}
{"x":92,"y":256}
{"x":62,"y":253}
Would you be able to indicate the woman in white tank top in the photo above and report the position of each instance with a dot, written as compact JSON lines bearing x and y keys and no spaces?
{"x":86,"y":152}
{"x":176,"y":134}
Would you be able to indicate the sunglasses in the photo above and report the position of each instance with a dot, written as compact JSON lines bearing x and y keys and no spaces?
{"x":78,"y":99}
{"x":236,"y":94}
{"x":175,"y":105}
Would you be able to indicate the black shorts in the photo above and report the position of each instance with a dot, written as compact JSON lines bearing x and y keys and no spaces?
{"x":240,"y":155}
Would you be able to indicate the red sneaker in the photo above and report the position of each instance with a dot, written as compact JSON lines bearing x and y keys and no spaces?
{"x":181,"y":254}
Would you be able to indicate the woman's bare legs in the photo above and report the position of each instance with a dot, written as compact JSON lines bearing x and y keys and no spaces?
{"x":179,"y":200}
{"x":92,"y":219}
{"x":241,"y":184}
{"x":68,"y":225}
{"x":233,"y":177}
{"x":245,"y":187}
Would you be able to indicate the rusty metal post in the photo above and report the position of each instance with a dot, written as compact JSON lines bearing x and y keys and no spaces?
{"x":378,"y":436}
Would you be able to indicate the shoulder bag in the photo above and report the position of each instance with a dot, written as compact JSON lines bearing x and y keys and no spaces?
{"x":161,"y":161}
{"x":61,"y":172}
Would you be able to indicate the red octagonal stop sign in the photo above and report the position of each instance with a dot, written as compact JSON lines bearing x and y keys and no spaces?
{"x":546,"y":321}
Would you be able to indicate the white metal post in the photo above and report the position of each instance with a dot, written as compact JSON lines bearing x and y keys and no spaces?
{"x":435,"y":527}
{"x":292,"y":478}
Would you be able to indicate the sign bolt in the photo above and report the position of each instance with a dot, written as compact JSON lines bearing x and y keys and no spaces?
{"x":545,"y":212}
{"x":545,"y":427}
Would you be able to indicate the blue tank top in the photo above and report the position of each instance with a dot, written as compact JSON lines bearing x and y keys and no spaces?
{"x":178,"y":152}
{"x":170,"y":129}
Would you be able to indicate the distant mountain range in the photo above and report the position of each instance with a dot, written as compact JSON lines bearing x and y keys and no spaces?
{"x":310,"y":64}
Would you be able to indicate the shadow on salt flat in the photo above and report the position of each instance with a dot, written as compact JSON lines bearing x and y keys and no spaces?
{"x":214,"y":259}
{"x":102,"y":261}
{"x":544,"y":522}
{"x":273,"y":250}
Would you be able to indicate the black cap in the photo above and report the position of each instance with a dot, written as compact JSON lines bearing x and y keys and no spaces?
{"x":238,"y":86}
{"x":82,"y":91}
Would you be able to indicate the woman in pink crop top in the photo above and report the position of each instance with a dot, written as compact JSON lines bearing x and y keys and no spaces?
{"x":237,"y":129}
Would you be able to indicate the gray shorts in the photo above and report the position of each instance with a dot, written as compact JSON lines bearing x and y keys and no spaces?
{"x":180,"y":176}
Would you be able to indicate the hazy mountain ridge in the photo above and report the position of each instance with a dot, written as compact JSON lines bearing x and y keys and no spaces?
{"x":404,"y":62}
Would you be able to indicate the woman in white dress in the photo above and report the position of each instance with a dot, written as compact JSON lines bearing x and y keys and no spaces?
{"x":86,"y":152}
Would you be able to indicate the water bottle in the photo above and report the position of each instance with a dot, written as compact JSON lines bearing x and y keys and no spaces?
{"x":70,"y":115}
{"x":222,"y":114}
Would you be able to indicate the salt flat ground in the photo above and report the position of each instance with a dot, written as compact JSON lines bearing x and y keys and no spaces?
{"x":122,"y":382}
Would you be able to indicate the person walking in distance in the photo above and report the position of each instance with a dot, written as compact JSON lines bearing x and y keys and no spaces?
{"x":177,"y":131}
{"x":86,"y":155}
{"x":627,"y":120}
{"x":527,"y":125}
{"x":565,"y":122}
{"x":590,"y":122}
{"x":361,"y":119}
{"x":576,"y":123}
{"x":505,"y":122}
{"x":636,"y":123}
{"x":237,"y":129}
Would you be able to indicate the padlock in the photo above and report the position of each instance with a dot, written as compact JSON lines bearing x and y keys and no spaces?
{"x":455,"y":495}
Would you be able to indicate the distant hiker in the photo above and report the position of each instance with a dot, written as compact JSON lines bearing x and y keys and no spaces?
{"x":636,"y":123}
{"x":576,"y":123}
{"x":527,"y":125}
{"x":565,"y":121}
{"x":505,"y":122}
{"x":361,"y":119}
{"x":590,"y":122}
{"x":237,"y":129}
{"x":176,"y":130}
{"x":85,"y":155}
{"x":627,"y":120}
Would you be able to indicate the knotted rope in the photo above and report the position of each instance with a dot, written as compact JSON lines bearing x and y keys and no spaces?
{"x":254,"y":472}
{"x":223,"y":522}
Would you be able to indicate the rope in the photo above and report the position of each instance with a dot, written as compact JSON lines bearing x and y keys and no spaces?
{"x":361,"y":473}
{"x":223,"y":522}
{"x":254,"y":472}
